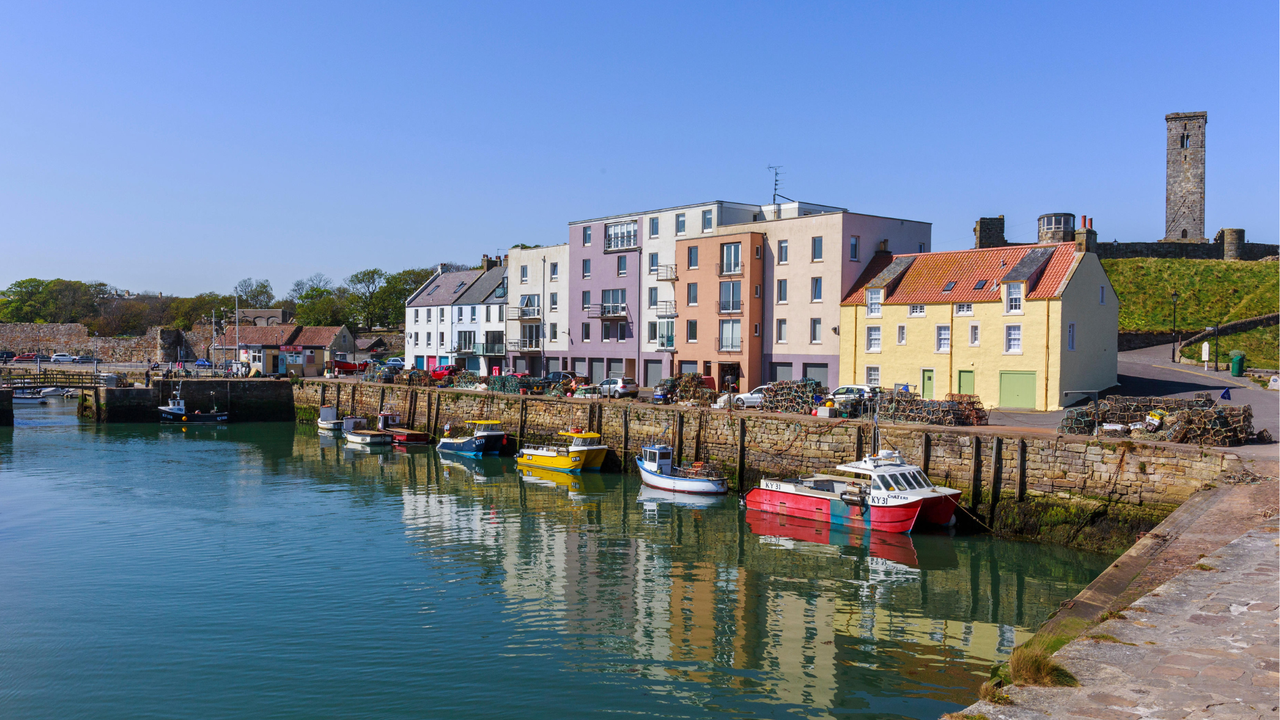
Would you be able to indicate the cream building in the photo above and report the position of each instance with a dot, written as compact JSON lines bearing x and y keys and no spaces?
{"x":1027,"y":326}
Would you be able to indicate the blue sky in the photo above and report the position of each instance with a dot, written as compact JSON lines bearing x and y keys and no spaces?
{"x":182,"y":146}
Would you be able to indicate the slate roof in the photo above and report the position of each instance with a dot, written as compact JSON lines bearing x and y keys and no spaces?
{"x":366,"y":343}
{"x":1044,"y":267}
{"x":482,"y":289}
{"x":316,"y":336}
{"x":443,"y":288}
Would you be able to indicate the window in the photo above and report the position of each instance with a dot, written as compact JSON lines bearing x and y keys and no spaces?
{"x":555,"y":331}
{"x":1102,"y":294}
{"x":973,"y":334}
{"x":980,"y":284}
{"x":524,"y":273}
{"x":459,"y":313}
{"x":427,"y":315}
{"x":691,"y":294}
{"x":473,"y":313}
{"x":653,"y":332}
{"x":586,"y":235}
{"x":653,"y":263}
{"x":614,"y":300}
{"x":586,"y":268}
{"x":730,"y":258}
{"x":415,"y":315}
{"x":920,"y":248}
{"x":916,"y":311}
{"x":1071,"y":336}
{"x":873,"y":338}
{"x":691,"y":259}
{"x":815,"y":330}
{"x":949,"y":286}
{"x":555,"y":271}
{"x":691,"y":330}
{"x":817,"y":248}
{"x":731,"y":296}
{"x":782,"y":252}
{"x":781,"y":334}
{"x":428,"y":340}
{"x":415,"y":339}
{"x":586,"y":299}
{"x":621,"y":235}
{"x":873,"y":375}
{"x":586,"y":332}
{"x":757,"y":290}
{"x":622,"y":266}
{"x":1013,"y":298}
{"x":873,"y":302}
{"x":502,"y":313}
{"x":782,"y":291}
{"x":964,"y":308}
{"x":853,"y":248}
{"x":555,"y":301}
{"x":731,"y":335}
{"x":1013,"y":338}
{"x":815,"y":289}
{"x":433,"y":289}
{"x":706,"y":221}
{"x":653,"y":297}
{"x":442,"y":340}
{"x":943,"y":342}
{"x":488,"y":313}
{"x":653,"y":227}
{"x":606,"y":332}
{"x":679,"y":223}
{"x":757,"y":252}
{"x":902,"y":334}
{"x":756,"y":330}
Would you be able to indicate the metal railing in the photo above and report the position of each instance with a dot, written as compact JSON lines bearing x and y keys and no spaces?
{"x":530,"y":312}
{"x":665,"y":309}
{"x":525,"y":344}
{"x":491,"y":348}
{"x":607,"y":310}
{"x":723,"y":269}
{"x":667,"y":273}
{"x":730,"y":306}
{"x":666,"y":343}
{"x":463,"y":349}
{"x":729,"y":345}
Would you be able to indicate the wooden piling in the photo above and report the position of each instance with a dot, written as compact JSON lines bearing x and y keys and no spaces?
{"x":626,"y":435}
{"x":926,"y":453}
{"x":679,"y":438}
{"x":520,"y":430}
{"x":858,"y":455}
{"x":975,"y":477}
{"x":742,"y":453}
{"x":1021,"y":492}
{"x":997,"y":470}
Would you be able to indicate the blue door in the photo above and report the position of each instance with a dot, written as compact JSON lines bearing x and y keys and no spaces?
{"x":417,"y":362}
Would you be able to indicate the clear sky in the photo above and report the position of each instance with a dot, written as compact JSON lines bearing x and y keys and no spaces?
{"x":182,"y":146}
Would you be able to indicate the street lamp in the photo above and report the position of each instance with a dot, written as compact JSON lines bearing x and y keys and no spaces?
{"x":1173,"y":354}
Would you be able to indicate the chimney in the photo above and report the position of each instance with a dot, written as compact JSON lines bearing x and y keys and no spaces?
{"x":440,"y":269}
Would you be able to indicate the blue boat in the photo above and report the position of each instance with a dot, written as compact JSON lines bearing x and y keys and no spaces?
{"x":485,"y":439}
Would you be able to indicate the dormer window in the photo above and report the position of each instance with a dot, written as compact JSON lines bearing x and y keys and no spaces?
{"x":874,"y":298}
{"x":1013,"y":298}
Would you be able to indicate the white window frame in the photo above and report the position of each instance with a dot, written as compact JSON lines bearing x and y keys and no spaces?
{"x":586,"y":235}
{"x":555,"y":272}
{"x":524,"y":274}
{"x":873,"y":339}
{"x":815,"y":289}
{"x":902,"y":334}
{"x":942,"y":339}
{"x":815,"y":249}
{"x":654,"y":224}
{"x":815,"y":331}
{"x":1009,"y":339}
{"x":780,"y":335}
{"x":622,"y":265}
{"x":965,"y":309}
{"x":975,"y":334}
{"x":652,"y":297}
{"x":708,"y":221}
{"x":586,"y":268}
{"x":781,"y":294}
{"x":784,"y":253}
{"x":554,"y":301}
{"x":653,"y":263}
{"x":691,"y":294}
{"x":873,"y":375}
{"x":680,"y":224}
{"x":1013,"y":299}
{"x":915,"y":311}
{"x":875,"y":300}
{"x":1071,"y":337}
{"x":853,"y":248}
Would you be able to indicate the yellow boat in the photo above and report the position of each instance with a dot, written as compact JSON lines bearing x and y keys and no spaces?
{"x":585,"y":452}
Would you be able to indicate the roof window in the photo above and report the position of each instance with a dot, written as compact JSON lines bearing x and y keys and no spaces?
{"x":981,"y":284}
{"x":460,"y":286}
{"x":433,"y":289}
{"x":948,"y":287}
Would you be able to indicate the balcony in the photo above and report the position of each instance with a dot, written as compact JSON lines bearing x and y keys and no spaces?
{"x":491,"y":349}
{"x":729,"y":344}
{"x":607,"y":310}
{"x":730,"y":307}
{"x":531,"y":312}
{"x":727,"y":269}
{"x":525,"y":345}
{"x":667,"y":343}
{"x":667,"y":273}
{"x":463,"y":349}
{"x":665,"y":309}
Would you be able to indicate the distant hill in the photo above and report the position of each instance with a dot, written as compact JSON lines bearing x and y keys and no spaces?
{"x":1209,"y":292}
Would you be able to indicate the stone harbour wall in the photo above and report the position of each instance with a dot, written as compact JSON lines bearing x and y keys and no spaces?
{"x":248,"y":400}
{"x":752,"y":445}
{"x":159,"y":344}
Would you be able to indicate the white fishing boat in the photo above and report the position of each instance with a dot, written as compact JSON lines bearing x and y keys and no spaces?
{"x":368,"y":437}
{"x":28,"y":397}
{"x":888,"y":472}
{"x":658,"y":471}
{"x":329,"y":419}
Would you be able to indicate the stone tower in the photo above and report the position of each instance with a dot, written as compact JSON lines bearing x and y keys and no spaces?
{"x":1056,"y":228}
{"x":1184,"y":177}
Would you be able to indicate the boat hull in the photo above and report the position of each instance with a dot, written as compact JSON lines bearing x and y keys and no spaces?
{"x":671,"y":483}
{"x":939,"y":509}
{"x":897,"y":518}
{"x":477,"y":445}
{"x":171,"y":416}
{"x":368,"y":437}
{"x":572,"y":461}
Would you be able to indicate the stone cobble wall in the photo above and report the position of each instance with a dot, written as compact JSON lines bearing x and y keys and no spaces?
{"x":1182,"y":250}
{"x":786,"y":445}
{"x":159,"y":344}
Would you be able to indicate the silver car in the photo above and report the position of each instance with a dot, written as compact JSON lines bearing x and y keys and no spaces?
{"x":619,"y":387}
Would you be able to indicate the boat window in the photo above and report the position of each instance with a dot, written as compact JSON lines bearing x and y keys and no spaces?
{"x":884,"y":482}
{"x":911,"y":480}
{"x":902,"y":481}
{"x":924,"y":479}
{"x":664,"y":455}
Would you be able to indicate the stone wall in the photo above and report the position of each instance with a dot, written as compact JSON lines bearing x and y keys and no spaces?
{"x":1182,"y":250}
{"x":159,"y":344}
{"x":248,"y":400}
{"x":762,"y":445}
{"x":1231,"y":328}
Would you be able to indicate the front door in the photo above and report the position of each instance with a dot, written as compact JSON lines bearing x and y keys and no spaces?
{"x":418,"y":360}
{"x":965,"y":382}
{"x":926,"y":384}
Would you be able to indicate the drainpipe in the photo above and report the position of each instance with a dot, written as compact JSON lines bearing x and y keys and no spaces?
{"x":1047,"y":303}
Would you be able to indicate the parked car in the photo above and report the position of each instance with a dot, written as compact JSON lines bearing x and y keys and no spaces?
{"x":518,"y":374}
{"x":63,"y":357}
{"x":7,"y":355}
{"x":85,"y":359}
{"x":30,"y":357}
{"x":443,"y":371}
{"x":619,"y":387}
{"x":753,"y":399}
{"x":202,"y":363}
{"x":395,"y":362}
{"x":849,"y":392}
{"x":560,"y":376}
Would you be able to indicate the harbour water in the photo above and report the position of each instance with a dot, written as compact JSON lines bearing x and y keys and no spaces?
{"x":261,"y":570}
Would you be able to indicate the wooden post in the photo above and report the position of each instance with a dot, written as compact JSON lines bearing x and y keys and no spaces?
{"x":679,"y":438}
{"x":997,"y":470}
{"x":382,"y":398}
{"x":323,"y":388}
{"x":926,"y":453}
{"x":626,"y":436}
{"x":742,"y":453}
{"x":1022,"y":470}
{"x":858,"y":445}
{"x":520,"y":431}
{"x":975,"y":479}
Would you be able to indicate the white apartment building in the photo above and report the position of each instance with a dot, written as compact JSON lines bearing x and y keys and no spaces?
{"x":537,"y":296}
{"x":480,"y":323}
{"x":429,"y":318}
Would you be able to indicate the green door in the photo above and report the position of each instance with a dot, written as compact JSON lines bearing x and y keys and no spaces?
{"x":965,"y":382}
{"x":1017,"y":389}
{"x":926,"y":384}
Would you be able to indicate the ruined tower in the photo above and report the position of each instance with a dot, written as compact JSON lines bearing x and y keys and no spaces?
{"x":1184,"y":177}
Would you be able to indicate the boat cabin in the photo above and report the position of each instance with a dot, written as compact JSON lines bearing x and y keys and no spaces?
{"x":657,"y":458}
{"x":886,"y":471}
{"x":583,"y":439}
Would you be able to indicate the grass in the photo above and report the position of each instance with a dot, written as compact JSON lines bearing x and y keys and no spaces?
{"x":1206,"y":568}
{"x":1103,"y":637}
{"x":965,"y":716}
{"x":1259,"y":346}
{"x":1030,"y":664}
{"x":1210,"y":292}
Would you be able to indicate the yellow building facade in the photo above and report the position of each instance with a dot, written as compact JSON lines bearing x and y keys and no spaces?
{"x":1022,"y":327}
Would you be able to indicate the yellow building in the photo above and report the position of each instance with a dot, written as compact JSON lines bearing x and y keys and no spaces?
{"x":1025,"y":326}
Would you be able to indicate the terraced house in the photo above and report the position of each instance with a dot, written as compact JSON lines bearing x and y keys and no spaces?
{"x":1028,"y":326}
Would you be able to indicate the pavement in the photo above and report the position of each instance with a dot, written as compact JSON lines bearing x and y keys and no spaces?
{"x":1203,"y":644}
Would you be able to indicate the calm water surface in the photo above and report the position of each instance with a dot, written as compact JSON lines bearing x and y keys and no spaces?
{"x":262,"y":571}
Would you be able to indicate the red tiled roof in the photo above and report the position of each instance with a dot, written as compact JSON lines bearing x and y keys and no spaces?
{"x":258,"y":335}
{"x":317,"y":336}
{"x":924,"y":281}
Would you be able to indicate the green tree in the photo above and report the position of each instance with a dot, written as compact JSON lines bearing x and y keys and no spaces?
{"x":390,"y":298}
{"x":255,"y":293}
{"x":24,"y":301}
{"x":364,"y":287}
{"x":183,"y":313}
{"x":322,"y":306}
